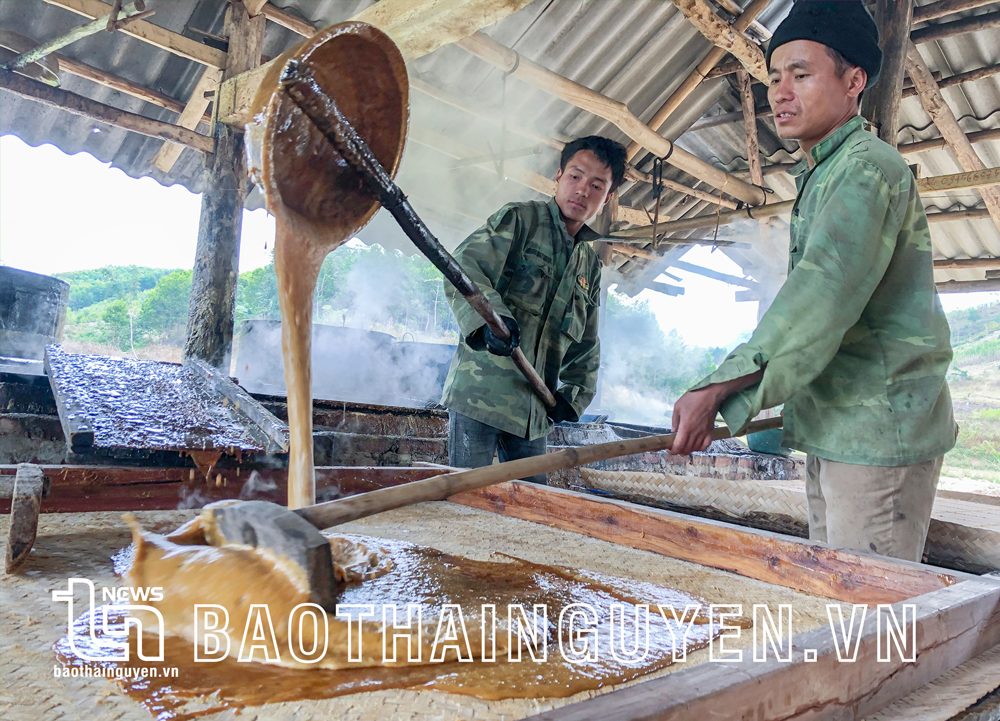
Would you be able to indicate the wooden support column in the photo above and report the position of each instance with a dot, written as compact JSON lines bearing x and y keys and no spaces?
{"x":941,"y":113}
{"x":881,"y":101}
{"x":216,"y":264}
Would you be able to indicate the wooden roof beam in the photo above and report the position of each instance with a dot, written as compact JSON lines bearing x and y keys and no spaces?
{"x":192,"y":114}
{"x":613,"y":111}
{"x":967,"y":264}
{"x":79,"y":105}
{"x":941,"y":114}
{"x":418,"y":27}
{"x":969,"y":286}
{"x":149,"y":33}
{"x":721,"y":34}
{"x":696,"y":76}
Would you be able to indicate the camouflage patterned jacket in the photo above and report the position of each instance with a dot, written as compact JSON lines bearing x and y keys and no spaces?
{"x":532,"y":270}
{"x":856,"y":344}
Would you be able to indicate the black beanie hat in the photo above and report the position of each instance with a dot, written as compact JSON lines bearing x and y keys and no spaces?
{"x":844,"y":25}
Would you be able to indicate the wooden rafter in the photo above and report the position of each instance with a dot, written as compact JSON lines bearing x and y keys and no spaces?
{"x":149,"y":33}
{"x":969,"y":286}
{"x":192,"y":114}
{"x":79,"y":105}
{"x":254,"y":7}
{"x":696,"y":76}
{"x":721,"y":34}
{"x":750,"y":126}
{"x":941,"y":114}
{"x":613,"y":111}
{"x":287,"y":20}
{"x":968,"y":264}
{"x":987,"y":71}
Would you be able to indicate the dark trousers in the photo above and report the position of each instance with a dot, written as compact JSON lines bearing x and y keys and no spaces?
{"x":471,"y":444}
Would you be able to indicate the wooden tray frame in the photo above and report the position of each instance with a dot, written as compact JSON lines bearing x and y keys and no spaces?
{"x":957,"y":614}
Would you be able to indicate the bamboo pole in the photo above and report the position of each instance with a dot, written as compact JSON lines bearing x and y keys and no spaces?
{"x":79,"y":105}
{"x":696,"y":76}
{"x":935,"y":10}
{"x":940,"y":112}
{"x":986,"y":178}
{"x":881,"y":102}
{"x":967,"y":77}
{"x":957,"y":27}
{"x":77,"y":33}
{"x":722,"y":35}
{"x":613,"y":111}
{"x":967,"y":264}
{"x":969,"y":286}
{"x":953,"y":215}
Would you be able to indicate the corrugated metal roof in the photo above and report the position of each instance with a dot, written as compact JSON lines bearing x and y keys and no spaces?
{"x":636,"y":51}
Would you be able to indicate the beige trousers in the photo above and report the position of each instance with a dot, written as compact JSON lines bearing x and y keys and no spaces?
{"x":876,"y":509}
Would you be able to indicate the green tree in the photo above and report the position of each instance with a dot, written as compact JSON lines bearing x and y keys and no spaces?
{"x":164,"y":310}
{"x":118,"y":323}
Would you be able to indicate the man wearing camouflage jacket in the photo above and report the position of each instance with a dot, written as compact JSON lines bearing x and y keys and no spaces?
{"x":535,"y":264}
{"x":856,"y":344}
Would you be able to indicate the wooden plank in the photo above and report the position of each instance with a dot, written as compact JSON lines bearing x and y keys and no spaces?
{"x":952,"y":215}
{"x":722,"y":35}
{"x":881,"y":102}
{"x":26,"y":500}
{"x":952,"y":625}
{"x":417,"y":27}
{"x":981,"y":136}
{"x":192,"y":114}
{"x":254,"y":7}
{"x":153,"y":34}
{"x":270,"y":432}
{"x":287,"y":20}
{"x":135,"y":90}
{"x":976,"y":178}
{"x":216,"y":263}
{"x":78,"y":429}
{"x":79,"y":105}
{"x":614,"y":111}
{"x":697,"y":76}
{"x":941,"y":113}
{"x":793,"y":563}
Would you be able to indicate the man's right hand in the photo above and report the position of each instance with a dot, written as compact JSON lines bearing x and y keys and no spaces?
{"x":484,"y":339}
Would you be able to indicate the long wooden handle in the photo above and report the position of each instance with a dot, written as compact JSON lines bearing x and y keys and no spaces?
{"x":326,"y":116}
{"x":438,"y":488}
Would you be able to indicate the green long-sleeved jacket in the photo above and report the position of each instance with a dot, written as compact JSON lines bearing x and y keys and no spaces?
{"x":856,"y":344}
{"x":532,"y":270}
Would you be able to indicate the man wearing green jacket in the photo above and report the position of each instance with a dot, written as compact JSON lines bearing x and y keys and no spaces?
{"x":535,"y":264}
{"x":856,"y":344}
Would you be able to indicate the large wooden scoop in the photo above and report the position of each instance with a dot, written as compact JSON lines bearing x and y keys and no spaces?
{"x":293,"y":534}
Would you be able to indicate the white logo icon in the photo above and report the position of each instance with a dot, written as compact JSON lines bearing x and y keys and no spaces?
{"x":112,"y":650}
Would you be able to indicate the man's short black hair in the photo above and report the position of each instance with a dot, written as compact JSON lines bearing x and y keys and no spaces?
{"x":607,"y":151}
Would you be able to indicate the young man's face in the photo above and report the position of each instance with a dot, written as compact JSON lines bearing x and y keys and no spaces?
{"x":808,"y":99}
{"x":583,"y":187}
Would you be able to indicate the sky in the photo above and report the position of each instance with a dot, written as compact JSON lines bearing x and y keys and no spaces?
{"x":63,"y":212}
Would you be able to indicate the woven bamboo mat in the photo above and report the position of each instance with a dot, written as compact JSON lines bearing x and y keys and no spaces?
{"x":81,"y":544}
{"x":963,"y":534}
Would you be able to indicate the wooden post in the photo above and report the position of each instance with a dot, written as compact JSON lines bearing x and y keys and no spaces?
{"x":881,"y":102}
{"x":941,"y":113}
{"x":216,"y":265}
